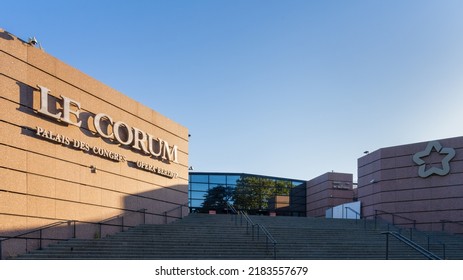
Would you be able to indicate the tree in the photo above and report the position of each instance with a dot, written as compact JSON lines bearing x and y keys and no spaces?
{"x":253,"y":193}
{"x":217,"y":197}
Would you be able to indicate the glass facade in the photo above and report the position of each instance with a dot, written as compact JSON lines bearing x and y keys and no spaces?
{"x":254,"y":193}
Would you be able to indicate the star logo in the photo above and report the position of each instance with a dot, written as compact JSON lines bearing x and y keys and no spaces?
{"x":436,"y":146}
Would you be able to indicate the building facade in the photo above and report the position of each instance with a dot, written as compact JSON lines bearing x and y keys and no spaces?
{"x":255,"y":194}
{"x":75,"y":149}
{"x":258,"y":194}
{"x":416,"y":185}
{"x":328,"y":190}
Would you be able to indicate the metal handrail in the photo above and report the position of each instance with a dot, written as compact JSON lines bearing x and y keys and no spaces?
{"x":399,"y":229}
{"x":232,"y":207}
{"x":142,"y":210}
{"x":443,"y":222}
{"x":429,"y":238}
{"x":69,"y":222}
{"x":55,"y":224}
{"x":260,"y":227}
{"x":393,"y":217}
{"x":41,"y":238}
{"x":176,"y":207}
{"x":121,"y":216}
{"x":248,"y":220}
{"x":357,"y":214}
{"x":173,"y":209}
{"x":268,"y":237}
{"x":234,"y":211}
{"x":410,"y":243}
{"x":39,"y":229}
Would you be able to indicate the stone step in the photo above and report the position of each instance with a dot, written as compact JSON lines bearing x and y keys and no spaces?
{"x":202,"y":236}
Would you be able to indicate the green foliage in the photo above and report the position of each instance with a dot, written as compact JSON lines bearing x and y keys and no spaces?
{"x":217,"y":197}
{"x":250,"y":193}
{"x":253,"y":193}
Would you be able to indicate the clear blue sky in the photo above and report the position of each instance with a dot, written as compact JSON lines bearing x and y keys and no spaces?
{"x":282,"y":88}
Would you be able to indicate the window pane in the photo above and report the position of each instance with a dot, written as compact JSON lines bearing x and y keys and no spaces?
{"x":199,"y":178}
{"x":231,"y":180}
{"x":297,"y":183}
{"x":195,"y":203}
{"x":197,"y":195}
{"x":218,"y":179}
{"x":198,"y":187}
{"x":212,"y":186}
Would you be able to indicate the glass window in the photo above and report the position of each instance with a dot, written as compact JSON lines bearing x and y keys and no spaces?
{"x":297,"y":183}
{"x":198,"y":195}
{"x":196,"y":203}
{"x":231,"y":179}
{"x":212,"y":186}
{"x":218,"y":179}
{"x":246,"y":191}
{"x":199,"y":187}
{"x":199,"y":178}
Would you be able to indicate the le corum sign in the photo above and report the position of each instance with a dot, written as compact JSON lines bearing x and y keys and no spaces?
{"x":106,"y":127}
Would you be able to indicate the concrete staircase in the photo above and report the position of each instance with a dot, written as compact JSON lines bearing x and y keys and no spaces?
{"x":333,"y":239}
{"x":445,"y":245}
{"x":194,"y":237}
{"x":202,"y":236}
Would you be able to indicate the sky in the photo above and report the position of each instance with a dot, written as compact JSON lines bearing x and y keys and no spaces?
{"x":289,"y":88}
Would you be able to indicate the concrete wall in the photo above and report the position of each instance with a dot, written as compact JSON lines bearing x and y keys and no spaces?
{"x":327,"y":191}
{"x":43,"y":181}
{"x":389,"y":181}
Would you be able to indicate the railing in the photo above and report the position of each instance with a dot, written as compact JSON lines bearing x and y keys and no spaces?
{"x":244,"y":217}
{"x":105,"y":222}
{"x":249,"y":222}
{"x":172,"y":210}
{"x":415,"y":234}
{"x":40,"y":230}
{"x":443,"y":222}
{"x":232,"y":208}
{"x":357,"y":214}
{"x":381,"y":212}
{"x":268,"y":239}
{"x":429,"y":238}
{"x":410,"y":243}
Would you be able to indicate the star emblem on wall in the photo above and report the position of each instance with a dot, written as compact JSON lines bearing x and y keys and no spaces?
{"x":436,"y":146}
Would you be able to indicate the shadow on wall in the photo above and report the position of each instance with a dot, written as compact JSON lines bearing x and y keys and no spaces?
{"x":25,"y":209}
{"x":152,"y":207}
